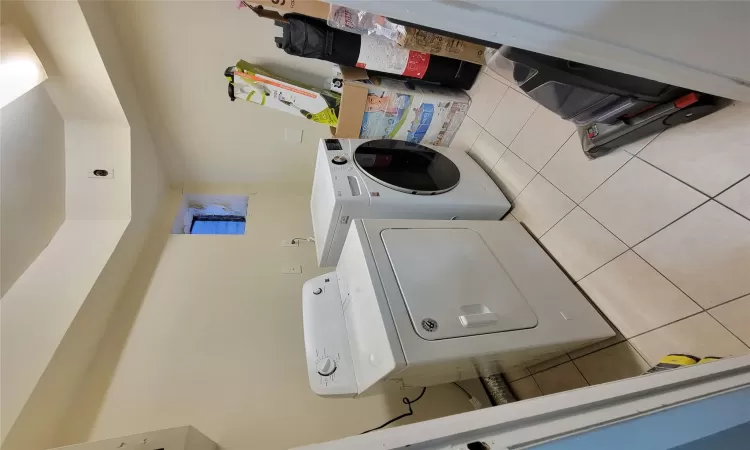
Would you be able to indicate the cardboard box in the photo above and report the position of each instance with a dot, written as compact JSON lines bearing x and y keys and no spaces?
{"x":254,"y":84}
{"x":353,"y":101}
{"x":395,"y":109}
{"x":414,"y":39}
{"x":436,"y":44}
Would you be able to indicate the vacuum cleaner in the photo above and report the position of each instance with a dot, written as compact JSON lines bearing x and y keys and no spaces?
{"x":610,"y":109}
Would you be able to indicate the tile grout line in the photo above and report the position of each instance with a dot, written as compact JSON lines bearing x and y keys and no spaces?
{"x":628,"y":339}
{"x":490,"y":72}
{"x":649,"y":143}
{"x":532,"y":379}
{"x":539,"y":173}
{"x":498,"y":159}
{"x":482,"y":126}
{"x":731,"y":209}
{"x":563,"y":193}
{"x":641,"y":257}
{"x":708,"y":310}
{"x":519,"y":130}
{"x":712,"y":197}
{"x":537,"y":384}
{"x":672,"y":176}
{"x":728,"y":301}
{"x":600,"y":349}
{"x":603,"y":226}
{"x":670,"y":223}
{"x":579,"y":371}
{"x":493,"y":109}
{"x":638,"y":352}
{"x":670,"y":281}
{"x":732,"y":185}
{"x":609,"y":261}
{"x":578,"y":204}
{"x":597,"y":221}
{"x":556,"y":152}
{"x":688,"y":296}
{"x":585,"y":295}
{"x":516,"y":155}
{"x":636,"y":244}
{"x":476,"y":138}
{"x":565,"y":215}
{"x":605,"y":180}
{"x":571,"y":359}
{"x":552,"y":367}
{"x":524,"y":188}
{"x":561,"y":218}
{"x":727,"y":328}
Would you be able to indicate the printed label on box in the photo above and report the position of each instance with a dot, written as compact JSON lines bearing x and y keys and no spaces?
{"x":380,"y":54}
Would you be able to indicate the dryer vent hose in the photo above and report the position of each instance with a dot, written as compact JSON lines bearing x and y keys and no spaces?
{"x":498,"y":389}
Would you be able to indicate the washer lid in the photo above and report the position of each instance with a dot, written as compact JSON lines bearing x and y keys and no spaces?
{"x":453,"y":285}
{"x":407,"y":167}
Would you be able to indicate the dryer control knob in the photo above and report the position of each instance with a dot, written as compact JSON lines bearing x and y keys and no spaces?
{"x":326,"y":366}
{"x":339,"y":160}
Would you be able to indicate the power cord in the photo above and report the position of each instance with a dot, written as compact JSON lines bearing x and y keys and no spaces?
{"x":462,"y":388}
{"x":408,"y":403}
{"x":473,"y":400}
{"x":298,"y":240}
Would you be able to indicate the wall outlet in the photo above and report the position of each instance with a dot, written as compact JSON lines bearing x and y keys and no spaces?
{"x":101,"y":172}
{"x":292,"y":135}
{"x":291,"y":269}
{"x":290,"y":243}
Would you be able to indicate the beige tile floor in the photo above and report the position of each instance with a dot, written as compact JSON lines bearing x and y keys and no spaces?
{"x":657,"y":233}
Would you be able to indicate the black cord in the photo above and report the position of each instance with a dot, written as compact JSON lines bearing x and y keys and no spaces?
{"x":465,"y":391}
{"x":408,"y":403}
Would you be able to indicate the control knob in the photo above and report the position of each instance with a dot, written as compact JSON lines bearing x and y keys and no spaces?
{"x":326,"y":366}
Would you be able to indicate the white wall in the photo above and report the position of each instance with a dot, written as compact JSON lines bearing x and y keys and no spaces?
{"x":178,"y":438}
{"x":78,"y":81}
{"x":54,"y":316}
{"x":38,"y":310}
{"x":178,"y":55}
{"x":209,"y":333}
{"x":32,"y":181}
{"x":91,"y":145}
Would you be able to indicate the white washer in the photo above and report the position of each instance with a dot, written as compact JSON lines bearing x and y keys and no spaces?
{"x":423,"y":302}
{"x":389,"y":179}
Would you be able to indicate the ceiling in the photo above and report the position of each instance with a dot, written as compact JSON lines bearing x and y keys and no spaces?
{"x":178,"y":52}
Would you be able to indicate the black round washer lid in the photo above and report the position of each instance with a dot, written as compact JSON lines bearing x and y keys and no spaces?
{"x":407,"y":167}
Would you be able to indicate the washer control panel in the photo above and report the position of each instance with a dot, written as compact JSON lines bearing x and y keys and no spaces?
{"x":337,"y":155}
{"x":346,"y":180}
{"x":330,"y":367}
{"x":339,"y":160}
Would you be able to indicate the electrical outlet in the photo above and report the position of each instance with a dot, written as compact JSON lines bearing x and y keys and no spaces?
{"x":291,"y":269}
{"x":290,"y":243}
{"x":101,"y":172}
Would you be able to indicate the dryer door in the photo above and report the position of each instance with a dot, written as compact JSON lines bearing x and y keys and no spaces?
{"x":407,"y":167}
{"x":452,"y":284}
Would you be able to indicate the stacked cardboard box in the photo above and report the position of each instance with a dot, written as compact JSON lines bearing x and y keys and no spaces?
{"x":383,"y":108}
{"x":413,"y":39}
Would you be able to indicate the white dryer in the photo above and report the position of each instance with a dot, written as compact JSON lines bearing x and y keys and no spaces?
{"x":422,"y":302}
{"x":390,"y":179}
